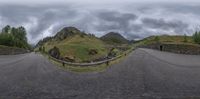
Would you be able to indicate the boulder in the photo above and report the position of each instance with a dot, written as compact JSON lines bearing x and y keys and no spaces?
{"x":93,"y":52}
{"x":54,"y":52}
{"x":69,"y":58}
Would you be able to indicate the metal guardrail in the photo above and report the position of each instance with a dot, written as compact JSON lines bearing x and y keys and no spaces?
{"x":85,"y":64}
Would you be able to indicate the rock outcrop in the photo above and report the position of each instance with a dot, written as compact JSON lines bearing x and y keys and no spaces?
{"x":54,"y":52}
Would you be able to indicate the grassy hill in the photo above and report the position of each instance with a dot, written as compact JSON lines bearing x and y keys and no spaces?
{"x":76,"y":45}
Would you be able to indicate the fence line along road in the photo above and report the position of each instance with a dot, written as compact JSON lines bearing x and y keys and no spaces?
{"x":85,"y":64}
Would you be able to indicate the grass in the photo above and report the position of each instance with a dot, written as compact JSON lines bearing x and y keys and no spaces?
{"x":79,"y":47}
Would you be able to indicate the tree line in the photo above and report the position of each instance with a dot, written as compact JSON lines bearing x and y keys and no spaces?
{"x":14,"y":37}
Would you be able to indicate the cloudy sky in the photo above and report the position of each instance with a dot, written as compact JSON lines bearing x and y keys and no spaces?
{"x":133,"y":19}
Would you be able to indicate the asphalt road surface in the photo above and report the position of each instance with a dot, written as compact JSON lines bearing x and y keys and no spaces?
{"x":144,"y":74}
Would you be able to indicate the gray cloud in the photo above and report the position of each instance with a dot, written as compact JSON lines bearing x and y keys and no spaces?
{"x":135,"y":22}
{"x":176,"y":25}
{"x":44,"y":17}
{"x":111,"y":20}
{"x":49,"y":18}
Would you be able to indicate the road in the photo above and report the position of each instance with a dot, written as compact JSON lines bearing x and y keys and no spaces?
{"x":144,"y":74}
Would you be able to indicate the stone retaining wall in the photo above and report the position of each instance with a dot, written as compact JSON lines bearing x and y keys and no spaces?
{"x":12,"y":51}
{"x":176,"y":48}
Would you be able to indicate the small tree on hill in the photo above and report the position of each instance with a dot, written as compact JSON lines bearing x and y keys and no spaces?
{"x":6,"y":29}
{"x":40,"y":48}
{"x":43,"y":49}
{"x":196,"y":37}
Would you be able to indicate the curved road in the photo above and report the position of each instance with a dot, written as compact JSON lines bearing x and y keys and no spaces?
{"x":144,"y":74}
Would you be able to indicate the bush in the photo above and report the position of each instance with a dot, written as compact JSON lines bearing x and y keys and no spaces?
{"x":157,"y":39}
{"x":40,"y":49}
{"x":196,"y":37}
{"x":82,"y":35}
{"x":6,"y":39}
{"x":113,"y":52}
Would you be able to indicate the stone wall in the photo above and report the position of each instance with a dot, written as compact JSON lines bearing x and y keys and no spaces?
{"x":12,"y":51}
{"x":176,"y":48}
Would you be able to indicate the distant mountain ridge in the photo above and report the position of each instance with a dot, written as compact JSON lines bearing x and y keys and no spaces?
{"x":114,"y":38}
{"x":109,"y":38}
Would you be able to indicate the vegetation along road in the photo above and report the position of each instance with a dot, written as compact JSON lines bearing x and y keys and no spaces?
{"x":143,"y":74}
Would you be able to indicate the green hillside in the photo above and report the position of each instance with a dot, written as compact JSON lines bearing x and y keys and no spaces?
{"x":78,"y":47}
{"x":75,"y":45}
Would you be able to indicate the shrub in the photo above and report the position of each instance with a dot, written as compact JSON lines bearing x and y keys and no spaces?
{"x":40,"y":48}
{"x":196,"y":37}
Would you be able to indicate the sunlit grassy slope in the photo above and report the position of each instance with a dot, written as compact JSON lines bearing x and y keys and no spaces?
{"x":79,"y":47}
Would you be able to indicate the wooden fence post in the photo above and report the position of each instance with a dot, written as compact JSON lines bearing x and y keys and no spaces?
{"x":63,"y":64}
{"x":107,"y":63}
